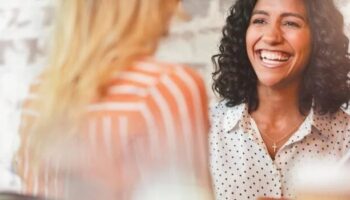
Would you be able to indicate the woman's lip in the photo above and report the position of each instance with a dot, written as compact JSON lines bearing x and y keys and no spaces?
{"x":273,"y":50}
{"x":271,"y":63}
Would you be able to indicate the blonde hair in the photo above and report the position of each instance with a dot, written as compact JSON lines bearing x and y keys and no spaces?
{"x":93,"y":40}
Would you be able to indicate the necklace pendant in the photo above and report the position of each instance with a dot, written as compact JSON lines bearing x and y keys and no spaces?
{"x":274,"y":146}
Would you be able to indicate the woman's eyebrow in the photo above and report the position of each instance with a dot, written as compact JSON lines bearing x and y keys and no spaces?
{"x":261,"y":12}
{"x":285,"y":14}
{"x":290,"y":14}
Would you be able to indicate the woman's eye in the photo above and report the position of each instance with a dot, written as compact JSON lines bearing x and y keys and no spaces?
{"x":292,"y":24}
{"x":259,"y":21}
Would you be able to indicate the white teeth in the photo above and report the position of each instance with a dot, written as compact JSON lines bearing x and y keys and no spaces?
{"x":277,"y":56}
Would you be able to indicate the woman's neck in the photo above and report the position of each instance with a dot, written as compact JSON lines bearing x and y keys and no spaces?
{"x":277,"y":105}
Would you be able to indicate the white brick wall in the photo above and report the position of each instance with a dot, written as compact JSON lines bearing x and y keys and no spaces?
{"x":24,"y":26}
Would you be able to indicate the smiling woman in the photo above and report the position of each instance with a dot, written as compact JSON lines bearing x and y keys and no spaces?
{"x":282,"y":74}
{"x":279,"y":42}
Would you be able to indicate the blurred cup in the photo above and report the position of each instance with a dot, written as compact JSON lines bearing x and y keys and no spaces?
{"x":323,"y":181}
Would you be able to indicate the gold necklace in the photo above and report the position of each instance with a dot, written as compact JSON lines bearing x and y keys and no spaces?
{"x":275,"y":143}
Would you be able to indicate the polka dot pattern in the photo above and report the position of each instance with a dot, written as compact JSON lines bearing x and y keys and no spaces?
{"x":241,"y":167}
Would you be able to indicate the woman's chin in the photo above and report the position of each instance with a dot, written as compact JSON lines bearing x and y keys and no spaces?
{"x":269,"y":82}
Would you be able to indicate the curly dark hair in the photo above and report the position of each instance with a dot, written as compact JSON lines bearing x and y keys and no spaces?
{"x":325,"y":84}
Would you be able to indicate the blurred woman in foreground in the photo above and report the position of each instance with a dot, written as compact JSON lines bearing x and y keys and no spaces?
{"x":105,"y":120}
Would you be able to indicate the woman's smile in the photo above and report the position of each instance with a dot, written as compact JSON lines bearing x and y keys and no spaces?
{"x":273,"y":58}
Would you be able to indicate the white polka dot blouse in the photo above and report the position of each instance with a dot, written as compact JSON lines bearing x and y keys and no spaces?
{"x":241,"y":167}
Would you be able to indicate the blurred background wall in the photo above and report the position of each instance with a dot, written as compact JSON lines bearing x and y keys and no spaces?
{"x":24,"y":27}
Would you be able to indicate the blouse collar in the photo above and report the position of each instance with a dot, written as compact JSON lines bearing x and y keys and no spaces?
{"x":236,"y":114}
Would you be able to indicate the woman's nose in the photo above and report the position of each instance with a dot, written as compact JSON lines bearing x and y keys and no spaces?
{"x":272,"y":34}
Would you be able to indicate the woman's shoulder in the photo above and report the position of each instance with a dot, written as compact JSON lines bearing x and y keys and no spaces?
{"x":162,"y":68}
{"x":221,"y":107}
{"x":151,"y":79}
{"x":220,"y":111}
{"x":151,"y":73}
{"x":342,"y":117}
{"x":338,"y":122}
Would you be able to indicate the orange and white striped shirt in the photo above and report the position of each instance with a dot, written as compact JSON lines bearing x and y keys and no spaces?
{"x":151,"y":110}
